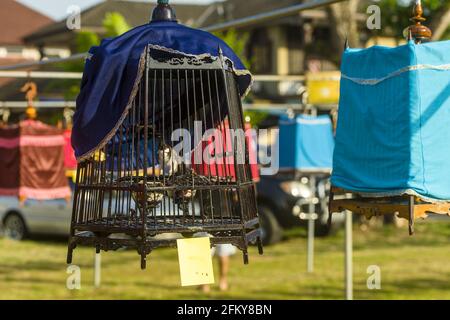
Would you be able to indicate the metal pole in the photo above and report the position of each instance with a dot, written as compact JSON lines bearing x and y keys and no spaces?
{"x":348,"y":256}
{"x":275,"y":14}
{"x":312,"y":214}
{"x":277,"y":78}
{"x":41,"y":74}
{"x":77,"y":56}
{"x":311,"y":223}
{"x":276,"y":107}
{"x":97,"y":270}
{"x":38,"y":104}
{"x":79,"y":75}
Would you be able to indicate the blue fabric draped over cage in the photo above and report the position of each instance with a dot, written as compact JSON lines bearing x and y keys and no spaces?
{"x":393,"y":132}
{"x":111,"y":75}
{"x":306,"y":143}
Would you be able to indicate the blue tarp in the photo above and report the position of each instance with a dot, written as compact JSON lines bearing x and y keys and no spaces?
{"x":306,"y":143}
{"x":393,"y":132}
{"x":111,"y":76}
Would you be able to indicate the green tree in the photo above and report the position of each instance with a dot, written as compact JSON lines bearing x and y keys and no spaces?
{"x":344,"y":25}
{"x":238,"y":41}
{"x":395,"y":15}
{"x":114,"y":25}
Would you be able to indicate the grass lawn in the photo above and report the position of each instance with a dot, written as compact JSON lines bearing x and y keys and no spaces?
{"x":415,"y":267}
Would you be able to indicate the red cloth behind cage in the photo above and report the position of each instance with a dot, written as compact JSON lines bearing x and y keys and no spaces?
{"x":220,"y":164}
{"x":70,"y":162}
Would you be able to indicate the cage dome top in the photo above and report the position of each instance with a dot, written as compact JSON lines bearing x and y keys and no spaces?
{"x":114,"y":68}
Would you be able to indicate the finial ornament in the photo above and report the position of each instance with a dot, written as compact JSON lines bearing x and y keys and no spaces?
{"x":220,"y":52}
{"x":419,"y":32}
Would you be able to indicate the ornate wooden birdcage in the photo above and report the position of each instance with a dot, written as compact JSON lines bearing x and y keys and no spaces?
{"x":142,"y":182}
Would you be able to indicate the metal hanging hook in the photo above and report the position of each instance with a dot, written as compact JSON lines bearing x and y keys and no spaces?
{"x":5,"y":113}
{"x":163,"y":12}
{"x":410,"y":37}
{"x":30,"y":90}
{"x":68,"y":116}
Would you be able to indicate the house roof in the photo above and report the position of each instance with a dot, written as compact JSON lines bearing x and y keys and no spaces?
{"x":138,"y":12}
{"x":135,"y":13}
{"x":18,"y":20}
{"x":236,"y":9}
{"x":229,"y":10}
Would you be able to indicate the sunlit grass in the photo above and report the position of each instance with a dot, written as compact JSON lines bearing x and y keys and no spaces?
{"x":415,"y":267}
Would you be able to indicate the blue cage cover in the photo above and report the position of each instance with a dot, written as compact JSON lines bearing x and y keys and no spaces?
{"x":306,"y":143}
{"x":113,"y":72}
{"x":393,"y":132}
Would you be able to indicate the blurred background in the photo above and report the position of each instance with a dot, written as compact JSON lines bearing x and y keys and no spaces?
{"x":295,"y":61}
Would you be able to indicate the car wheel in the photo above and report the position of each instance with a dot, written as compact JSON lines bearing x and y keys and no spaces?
{"x":270,"y":229}
{"x":323,"y":229}
{"x":14,"y":227}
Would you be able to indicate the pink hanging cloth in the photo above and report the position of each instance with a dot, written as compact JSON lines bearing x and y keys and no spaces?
{"x":32,"y":161}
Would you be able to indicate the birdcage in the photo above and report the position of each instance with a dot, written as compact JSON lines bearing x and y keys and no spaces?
{"x":140,"y":185}
{"x":389,"y":156}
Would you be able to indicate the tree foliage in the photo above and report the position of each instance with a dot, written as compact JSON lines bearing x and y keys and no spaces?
{"x":114,"y":25}
{"x":237,"y":41}
{"x":395,"y":15}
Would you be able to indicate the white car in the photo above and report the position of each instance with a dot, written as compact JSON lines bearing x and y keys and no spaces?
{"x":49,"y":217}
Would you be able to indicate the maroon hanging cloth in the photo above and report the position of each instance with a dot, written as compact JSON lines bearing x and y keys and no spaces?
{"x":32,"y":159}
{"x":9,"y":160}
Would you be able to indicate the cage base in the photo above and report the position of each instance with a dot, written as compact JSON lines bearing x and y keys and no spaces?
{"x":144,"y":246}
{"x":158,"y":225}
{"x":409,"y":207}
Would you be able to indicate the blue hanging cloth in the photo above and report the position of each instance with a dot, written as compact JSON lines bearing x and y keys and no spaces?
{"x":306,"y":143}
{"x":113,"y":70}
{"x":393,"y":131}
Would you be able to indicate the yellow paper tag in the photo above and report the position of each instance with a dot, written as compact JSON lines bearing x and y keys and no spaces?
{"x":194,"y":256}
